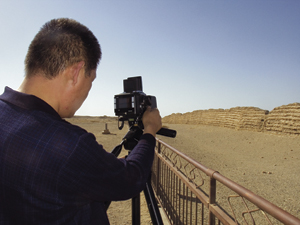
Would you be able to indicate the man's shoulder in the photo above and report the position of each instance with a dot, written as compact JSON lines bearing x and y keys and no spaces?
{"x":61,"y":126}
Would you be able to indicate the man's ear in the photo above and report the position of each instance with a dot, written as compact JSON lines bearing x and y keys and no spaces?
{"x":76,"y":68}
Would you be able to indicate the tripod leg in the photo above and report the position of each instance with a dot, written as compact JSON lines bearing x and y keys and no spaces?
{"x":152,"y":205}
{"x":136,"y":210}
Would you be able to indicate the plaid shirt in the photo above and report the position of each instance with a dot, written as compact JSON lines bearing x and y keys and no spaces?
{"x":53,"y":172}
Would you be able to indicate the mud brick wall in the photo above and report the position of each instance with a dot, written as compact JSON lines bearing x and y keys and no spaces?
{"x":284,"y":119}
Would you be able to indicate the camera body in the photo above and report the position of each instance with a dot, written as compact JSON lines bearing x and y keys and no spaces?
{"x":132,"y":103}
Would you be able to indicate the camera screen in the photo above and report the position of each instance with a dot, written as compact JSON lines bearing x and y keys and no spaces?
{"x":123,"y":103}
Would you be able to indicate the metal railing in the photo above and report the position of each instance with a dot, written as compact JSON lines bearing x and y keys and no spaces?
{"x":187,"y":191}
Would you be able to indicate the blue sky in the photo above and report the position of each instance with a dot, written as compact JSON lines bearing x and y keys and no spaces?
{"x":191,"y":54}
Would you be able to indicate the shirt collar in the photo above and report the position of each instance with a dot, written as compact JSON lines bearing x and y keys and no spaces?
{"x":28,"y":102}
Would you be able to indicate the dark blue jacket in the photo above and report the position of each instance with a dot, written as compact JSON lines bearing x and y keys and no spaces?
{"x":53,"y":172}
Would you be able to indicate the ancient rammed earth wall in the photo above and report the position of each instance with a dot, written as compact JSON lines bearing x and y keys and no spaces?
{"x":281,"y":120}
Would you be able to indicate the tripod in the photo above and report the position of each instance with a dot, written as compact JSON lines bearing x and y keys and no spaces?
{"x":129,"y":141}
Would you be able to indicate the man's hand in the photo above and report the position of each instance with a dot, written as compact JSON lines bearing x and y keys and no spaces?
{"x":152,"y":121}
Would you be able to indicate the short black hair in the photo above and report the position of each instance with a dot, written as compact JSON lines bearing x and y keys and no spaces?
{"x":61,"y":43}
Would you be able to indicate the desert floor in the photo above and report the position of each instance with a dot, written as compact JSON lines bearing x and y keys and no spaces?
{"x":266,"y":164}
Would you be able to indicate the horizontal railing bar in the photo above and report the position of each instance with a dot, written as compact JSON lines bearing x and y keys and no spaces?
{"x":260,"y":202}
{"x":203,"y":168}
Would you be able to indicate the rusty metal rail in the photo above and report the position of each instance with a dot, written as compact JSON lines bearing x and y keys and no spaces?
{"x":187,"y":191}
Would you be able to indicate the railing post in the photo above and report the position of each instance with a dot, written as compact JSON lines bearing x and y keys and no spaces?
{"x":158,"y":166}
{"x":212,"y":200}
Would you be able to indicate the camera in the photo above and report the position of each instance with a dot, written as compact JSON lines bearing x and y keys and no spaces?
{"x":132,"y":103}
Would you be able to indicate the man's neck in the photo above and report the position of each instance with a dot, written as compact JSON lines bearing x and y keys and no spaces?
{"x":43,"y":88}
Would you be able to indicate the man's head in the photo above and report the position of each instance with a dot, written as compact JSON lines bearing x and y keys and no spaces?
{"x":61,"y":65}
{"x":61,"y":43}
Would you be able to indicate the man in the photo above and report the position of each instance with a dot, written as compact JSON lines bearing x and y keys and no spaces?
{"x":52,"y":172}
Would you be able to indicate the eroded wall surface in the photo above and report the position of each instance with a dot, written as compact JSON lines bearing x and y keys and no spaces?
{"x":281,"y":120}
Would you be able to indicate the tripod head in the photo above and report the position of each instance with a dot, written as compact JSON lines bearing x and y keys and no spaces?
{"x":129,"y":141}
{"x":134,"y":134}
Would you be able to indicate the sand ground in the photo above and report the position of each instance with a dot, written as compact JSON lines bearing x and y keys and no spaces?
{"x":266,"y":164}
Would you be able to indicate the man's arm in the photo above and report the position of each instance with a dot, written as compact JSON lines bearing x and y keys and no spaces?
{"x":93,"y":172}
